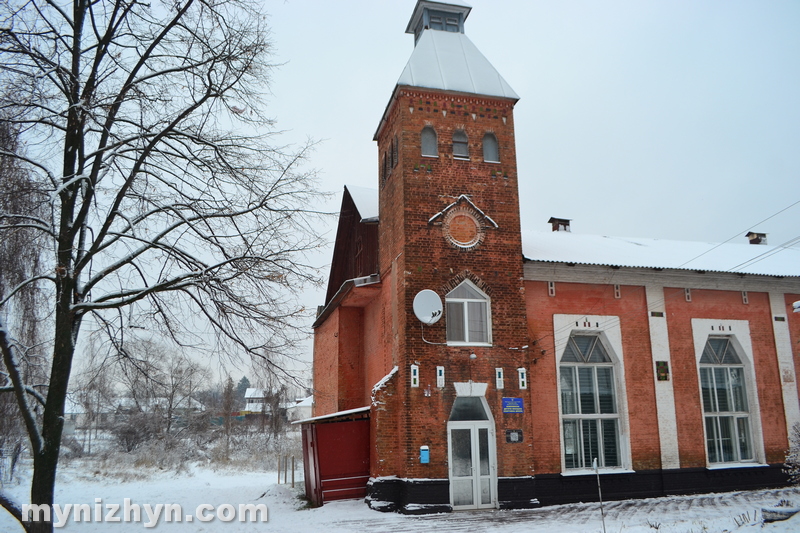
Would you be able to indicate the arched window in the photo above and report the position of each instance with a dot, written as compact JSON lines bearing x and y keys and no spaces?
{"x":491,"y":150}
{"x":725,"y":406}
{"x":460,"y":145}
{"x":589,"y":414}
{"x":429,"y":142}
{"x":468,"y":315}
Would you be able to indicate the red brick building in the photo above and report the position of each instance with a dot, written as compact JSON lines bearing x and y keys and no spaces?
{"x":671,"y":364}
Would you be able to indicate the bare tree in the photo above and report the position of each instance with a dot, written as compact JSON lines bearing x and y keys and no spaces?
{"x":160,"y":381}
{"x":20,"y":259}
{"x":95,"y":394}
{"x":228,"y":402}
{"x":169,"y":206}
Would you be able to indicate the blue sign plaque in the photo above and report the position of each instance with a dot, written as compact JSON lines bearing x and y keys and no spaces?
{"x":513,"y":405}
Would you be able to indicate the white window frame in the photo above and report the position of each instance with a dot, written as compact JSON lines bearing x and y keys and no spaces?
{"x":493,"y":138}
{"x":422,"y":142}
{"x":464,"y":143}
{"x":610,"y":333}
{"x":738,"y":331}
{"x":498,"y":379}
{"x":465,"y":301}
{"x":522,"y":374}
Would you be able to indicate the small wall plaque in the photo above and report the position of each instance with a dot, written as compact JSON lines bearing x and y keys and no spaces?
{"x":662,"y":370}
{"x":513,"y":405}
{"x":513,"y":436}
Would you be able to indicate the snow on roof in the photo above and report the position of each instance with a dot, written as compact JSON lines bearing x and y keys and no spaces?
{"x":334,"y":415}
{"x":72,"y":406}
{"x":256,"y":393}
{"x":366,"y":200}
{"x":450,"y":62}
{"x":305,"y":402}
{"x":567,"y":247}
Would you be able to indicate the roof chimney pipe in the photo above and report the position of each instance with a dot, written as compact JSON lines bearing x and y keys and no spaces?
{"x":559,"y":224}
{"x":756,"y":238}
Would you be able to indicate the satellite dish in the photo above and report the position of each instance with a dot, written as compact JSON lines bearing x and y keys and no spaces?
{"x":428,"y":306}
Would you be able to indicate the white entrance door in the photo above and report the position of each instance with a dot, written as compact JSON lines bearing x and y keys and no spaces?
{"x":473,"y":463}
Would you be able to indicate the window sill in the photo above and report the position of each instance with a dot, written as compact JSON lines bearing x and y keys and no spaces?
{"x":723,"y":466}
{"x":457,"y":158}
{"x":431,"y":156}
{"x":590,"y":471}
{"x":467,"y":344}
{"x":492,"y":162}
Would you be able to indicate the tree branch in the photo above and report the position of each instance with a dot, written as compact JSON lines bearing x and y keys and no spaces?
{"x":12,"y":367}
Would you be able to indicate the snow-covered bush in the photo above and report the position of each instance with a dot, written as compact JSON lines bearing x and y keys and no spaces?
{"x":135,"y":430}
{"x":792,"y":464}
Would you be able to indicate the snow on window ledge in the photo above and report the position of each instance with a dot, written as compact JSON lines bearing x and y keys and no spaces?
{"x":590,"y":471}
{"x":723,"y":466}
{"x":461,"y":343}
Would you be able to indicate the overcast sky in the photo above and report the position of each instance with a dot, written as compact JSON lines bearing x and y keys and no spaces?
{"x":661,"y":119}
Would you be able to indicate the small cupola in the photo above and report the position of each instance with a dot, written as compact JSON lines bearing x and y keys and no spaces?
{"x":756,"y":238}
{"x":442,"y":16}
{"x":559,"y":224}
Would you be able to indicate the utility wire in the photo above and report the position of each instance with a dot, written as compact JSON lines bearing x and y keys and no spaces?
{"x":738,"y":234}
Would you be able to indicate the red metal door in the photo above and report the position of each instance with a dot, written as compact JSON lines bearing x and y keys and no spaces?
{"x":342,"y":451}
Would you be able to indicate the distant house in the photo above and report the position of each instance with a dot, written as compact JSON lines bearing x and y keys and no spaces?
{"x":181,"y":405}
{"x":300,"y":409}
{"x":77,"y":416}
{"x":257,"y":401}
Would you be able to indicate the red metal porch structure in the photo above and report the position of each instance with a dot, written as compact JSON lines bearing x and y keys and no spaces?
{"x":336,"y":455}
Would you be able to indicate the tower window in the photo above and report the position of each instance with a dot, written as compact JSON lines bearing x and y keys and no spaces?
{"x":460,"y":145}
{"x":429,"y":142}
{"x":394,"y":152}
{"x":439,"y":20}
{"x":468,"y":318}
{"x":491,"y":150}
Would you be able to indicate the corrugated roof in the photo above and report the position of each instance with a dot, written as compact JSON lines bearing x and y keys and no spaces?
{"x":450,"y":62}
{"x":366,"y":200}
{"x":567,"y":247}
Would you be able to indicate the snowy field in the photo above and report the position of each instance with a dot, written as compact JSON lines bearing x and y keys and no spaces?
{"x":83,"y":483}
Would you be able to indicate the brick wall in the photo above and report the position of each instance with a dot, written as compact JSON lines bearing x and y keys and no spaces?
{"x":418,"y":254}
{"x":631,"y":308}
{"x":326,"y":366}
{"x":580,"y":298}
{"x":723,"y":305}
{"x":794,"y":332}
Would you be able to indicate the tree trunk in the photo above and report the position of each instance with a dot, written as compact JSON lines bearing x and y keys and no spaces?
{"x":45,"y":461}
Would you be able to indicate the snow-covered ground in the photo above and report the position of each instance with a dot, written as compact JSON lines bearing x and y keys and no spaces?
{"x":82,"y":483}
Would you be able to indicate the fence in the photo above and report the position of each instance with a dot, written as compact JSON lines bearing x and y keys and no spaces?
{"x":283,"y":466}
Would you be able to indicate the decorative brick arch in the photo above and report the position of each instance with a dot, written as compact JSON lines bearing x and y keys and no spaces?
{"x":461,"y":277}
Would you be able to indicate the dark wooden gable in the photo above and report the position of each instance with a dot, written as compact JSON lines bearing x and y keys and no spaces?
{"x":355,"y":251}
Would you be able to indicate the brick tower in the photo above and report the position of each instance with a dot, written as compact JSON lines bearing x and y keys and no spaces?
{"x":449,"y":223}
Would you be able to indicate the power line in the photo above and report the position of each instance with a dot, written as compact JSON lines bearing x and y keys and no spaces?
{"x":738,"y":234}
